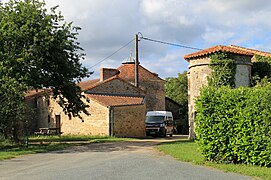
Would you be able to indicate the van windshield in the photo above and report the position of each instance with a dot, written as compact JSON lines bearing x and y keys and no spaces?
{"x":155,"y":119}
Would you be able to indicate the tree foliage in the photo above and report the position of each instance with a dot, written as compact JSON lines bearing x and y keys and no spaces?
{"x":12,"y":107}
{"x":40,"y":50}
{"x":177,"y":90}
{"x":261,"y":70}
{"x":224,"y":69}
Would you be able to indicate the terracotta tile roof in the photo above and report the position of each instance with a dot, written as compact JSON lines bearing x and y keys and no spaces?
{"x":87,"y":84}
{"x":257,"y":52}
{"x":127,"y":72}
{"x":32,"y":93}
{"x":83,"y":85}
{"x":116,"y":100}
{"x":218,"y":48}
{"x":108,"y":80}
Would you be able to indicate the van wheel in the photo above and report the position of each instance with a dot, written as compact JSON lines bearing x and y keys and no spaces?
{"x":165,"y":133}
{"x":171,"y":135}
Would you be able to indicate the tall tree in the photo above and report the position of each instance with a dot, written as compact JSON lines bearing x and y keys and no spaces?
{"x":177,"y":90}
{"x":40,"y":50}
{"x":12,"y":107}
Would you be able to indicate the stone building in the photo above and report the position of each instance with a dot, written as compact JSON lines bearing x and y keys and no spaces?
{"x":150,"y":84}
{"x":121,"y":116}
{"x":116,"y":114}
{"x":148,"y":81}
{"x":199,"y":71}
{"x":116,"y":106}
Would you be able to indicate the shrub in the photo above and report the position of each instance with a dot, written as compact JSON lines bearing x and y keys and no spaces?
{"x":234,"y":125}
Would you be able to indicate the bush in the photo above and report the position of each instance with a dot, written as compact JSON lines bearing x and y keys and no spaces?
{"x":234,"y":125}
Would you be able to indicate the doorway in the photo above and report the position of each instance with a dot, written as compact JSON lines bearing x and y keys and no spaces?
{"x":58,"y":125}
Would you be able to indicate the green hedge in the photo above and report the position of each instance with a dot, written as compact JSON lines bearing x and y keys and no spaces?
{"x":234,"y":125}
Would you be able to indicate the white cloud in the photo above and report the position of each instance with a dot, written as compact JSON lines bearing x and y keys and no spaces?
{"x":108,"y":25}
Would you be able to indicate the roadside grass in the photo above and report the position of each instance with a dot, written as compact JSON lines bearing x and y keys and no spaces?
{"x":72,"y":138}
{"x":18,"y":150}
{"x":187,"y":151}
{"x":42,"y":144}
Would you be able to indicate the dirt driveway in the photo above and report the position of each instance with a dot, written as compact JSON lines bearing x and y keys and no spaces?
{"x":146,"y":144}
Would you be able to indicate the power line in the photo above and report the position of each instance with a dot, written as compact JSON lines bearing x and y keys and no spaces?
{"x":147,"y":39}
{"x":168,"y":43}
{"x":112,"y":53}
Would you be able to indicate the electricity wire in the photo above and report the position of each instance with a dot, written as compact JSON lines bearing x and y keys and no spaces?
{"x":147,"y":39}
{"x":168,"y":43}
{"x":112,"y":53}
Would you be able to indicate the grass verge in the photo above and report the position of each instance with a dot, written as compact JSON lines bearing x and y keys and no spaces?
{"x":73,"y":138}
{"x":187,"y":151}
{"x":41,"y":144}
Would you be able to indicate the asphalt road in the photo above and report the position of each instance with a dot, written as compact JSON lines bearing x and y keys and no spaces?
{"x":106,"y":161}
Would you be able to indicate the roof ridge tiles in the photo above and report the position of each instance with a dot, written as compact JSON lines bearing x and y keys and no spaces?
{"x":127,"y":66}
{"x":218,"y":48}
{"x":255,"y":51}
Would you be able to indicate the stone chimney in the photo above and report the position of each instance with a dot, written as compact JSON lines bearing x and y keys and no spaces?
{"x":106,"y":73}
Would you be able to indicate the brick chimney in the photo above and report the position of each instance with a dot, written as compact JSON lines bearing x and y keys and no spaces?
{"x":106,"y":73}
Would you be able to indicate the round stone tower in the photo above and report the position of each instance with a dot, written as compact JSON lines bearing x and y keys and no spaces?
{"x":199,"y":70}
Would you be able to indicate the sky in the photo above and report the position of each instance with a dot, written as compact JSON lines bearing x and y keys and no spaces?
{"x":107,"y":25}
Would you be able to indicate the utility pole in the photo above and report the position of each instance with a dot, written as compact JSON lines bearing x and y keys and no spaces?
{"x":136,"y":60}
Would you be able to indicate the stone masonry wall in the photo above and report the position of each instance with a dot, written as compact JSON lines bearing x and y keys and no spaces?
{"x":155,"y":95}
{"x":197,"y":78}
{"x":95,"y":124}
{"x":129,"y":121}
{"x":106,"y":73}
{"x":243,"y":75}
{"x":173,"y":107}
{"x":116,"y":86}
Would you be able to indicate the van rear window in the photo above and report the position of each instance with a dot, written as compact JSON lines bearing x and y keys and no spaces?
{"x":155,"y":119}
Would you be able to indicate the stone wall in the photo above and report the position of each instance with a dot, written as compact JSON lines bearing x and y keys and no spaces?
{"x":243,"y":75}
{"x":116,"y":86}
{"x":129,"y":121}
{"x":95,"y":124}
{"x":155,"y":95}
{"x":173,"y":107}
{"x":197,"y":78}
{"x":106,"y":73}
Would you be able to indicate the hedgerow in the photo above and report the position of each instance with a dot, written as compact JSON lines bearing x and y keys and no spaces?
{"x":234,"y":125}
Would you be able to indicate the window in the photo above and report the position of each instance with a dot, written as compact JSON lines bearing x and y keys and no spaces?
{"x":70,"y":116}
